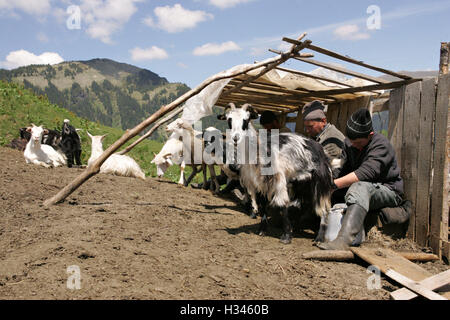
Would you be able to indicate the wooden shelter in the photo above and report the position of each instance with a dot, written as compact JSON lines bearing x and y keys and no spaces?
{"x":418,"y":115}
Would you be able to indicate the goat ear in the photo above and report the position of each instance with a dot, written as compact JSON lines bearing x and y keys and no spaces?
{"x":29,"y":129}
{"x":253,"y":113}
{"x":45,"y":131}
{"x":168,"y":156}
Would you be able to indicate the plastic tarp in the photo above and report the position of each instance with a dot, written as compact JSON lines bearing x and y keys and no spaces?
{"x":201,"y":104}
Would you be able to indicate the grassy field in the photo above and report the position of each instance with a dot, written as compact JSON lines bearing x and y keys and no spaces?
{"x":20,"y":107}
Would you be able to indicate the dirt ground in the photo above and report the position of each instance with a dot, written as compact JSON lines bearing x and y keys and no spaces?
{"x":153,"y":239}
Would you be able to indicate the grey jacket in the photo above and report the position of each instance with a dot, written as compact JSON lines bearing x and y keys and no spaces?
{"x":332,"y":141}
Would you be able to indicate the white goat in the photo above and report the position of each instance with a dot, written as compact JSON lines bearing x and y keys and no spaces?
{"x":41,"y":154}
{"x":171,"y":153}
{"x":192,"y":141}
{"x":121,"y":165}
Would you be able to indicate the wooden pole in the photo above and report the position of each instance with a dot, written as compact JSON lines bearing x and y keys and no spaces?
{"x":343,"y":255}
{"x":150,"y":132}
{"x":443,"y":63}
{"x":129,"y":134}
{"x":348,"y":59}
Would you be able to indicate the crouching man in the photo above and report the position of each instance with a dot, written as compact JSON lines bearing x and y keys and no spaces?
{"x":368,"y":180}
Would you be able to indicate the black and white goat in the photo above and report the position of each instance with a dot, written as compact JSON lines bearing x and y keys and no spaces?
{"x":70,"y":144}
{"x":296,"y":174}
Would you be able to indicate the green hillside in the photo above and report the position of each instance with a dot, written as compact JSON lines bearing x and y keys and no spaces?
{"x":114,"y":94}
{"x":19,"y":107}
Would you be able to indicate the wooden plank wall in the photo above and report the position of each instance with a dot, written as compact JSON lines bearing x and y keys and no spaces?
{"x":418,"y":124}
{"x":439,"y":204}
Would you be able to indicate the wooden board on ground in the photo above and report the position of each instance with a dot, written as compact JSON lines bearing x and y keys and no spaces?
{"x":431,"y":283}
{"x":386,"y":259}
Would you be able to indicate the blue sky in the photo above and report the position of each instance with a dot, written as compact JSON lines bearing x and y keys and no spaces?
{"x":188,"y":41}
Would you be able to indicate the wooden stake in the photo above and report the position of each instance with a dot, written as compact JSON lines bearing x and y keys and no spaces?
{"x":444,"y":61}
{"x":344,"y":255}
{"x":150,"y":132}
{"x":129,"y":134}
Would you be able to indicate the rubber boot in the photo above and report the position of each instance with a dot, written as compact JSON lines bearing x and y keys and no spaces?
{"x":352,"y":224}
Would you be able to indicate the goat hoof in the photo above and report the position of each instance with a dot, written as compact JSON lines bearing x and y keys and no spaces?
{"x":286,"y":239}
{"x":261,"y":233}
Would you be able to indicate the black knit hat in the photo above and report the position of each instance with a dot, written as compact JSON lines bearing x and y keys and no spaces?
{"x":359,"y":125}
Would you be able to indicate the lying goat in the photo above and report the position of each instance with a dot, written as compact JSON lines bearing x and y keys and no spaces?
{"x":297,"y":175}
{"x":41,"y":154}
{"x":120,"y":165}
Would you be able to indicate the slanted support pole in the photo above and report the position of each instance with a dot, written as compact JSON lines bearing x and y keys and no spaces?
{"x":129,"y":134}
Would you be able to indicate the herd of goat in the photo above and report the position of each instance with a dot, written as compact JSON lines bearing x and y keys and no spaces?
{"x":291,"y":174}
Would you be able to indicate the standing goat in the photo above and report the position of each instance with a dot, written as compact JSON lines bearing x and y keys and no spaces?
{"x":298,"y":174}
{"x":70,"y":144}
{"x":192,"y":140}
{"x":171,"y":153}
{"x":120,"y":165}
{"x":41,"y":154}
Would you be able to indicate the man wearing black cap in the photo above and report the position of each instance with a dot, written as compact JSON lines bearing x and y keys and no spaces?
{"x":369,"y":176}
{"x":269,"y":121}
{"x":317,"y":127}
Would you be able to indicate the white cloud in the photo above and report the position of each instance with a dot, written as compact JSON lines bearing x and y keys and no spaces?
{"x":215,"y":49}
{"x":138,"y":54}
{"x":105,"y":17}
{"x":350,"y":32}
{"x":176,"y":18}
{"x":22,"y":58}
{"x":224,"y":4}
{"x":33,"y":7}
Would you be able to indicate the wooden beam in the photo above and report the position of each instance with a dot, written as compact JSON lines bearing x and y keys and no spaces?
{"x":343,"y":255}
{"x":444,"y":58}
{"x":333,"y":92}
{"x":432,"y":283}
{"x":342,"y":70}
{"x":414,"y":286}
{"x":283,"y":57}
{"x":153,"y":129}
{"x":348,"y":59}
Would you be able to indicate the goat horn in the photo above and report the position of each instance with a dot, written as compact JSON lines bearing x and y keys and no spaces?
{"x":245,"y":106}
{"x":231,"y":105}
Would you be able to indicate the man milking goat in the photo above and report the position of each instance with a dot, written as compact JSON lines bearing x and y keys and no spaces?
{"x":368,"y":180}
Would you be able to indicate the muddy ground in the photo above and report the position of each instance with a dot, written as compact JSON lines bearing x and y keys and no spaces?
{"x":153,"y":239}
